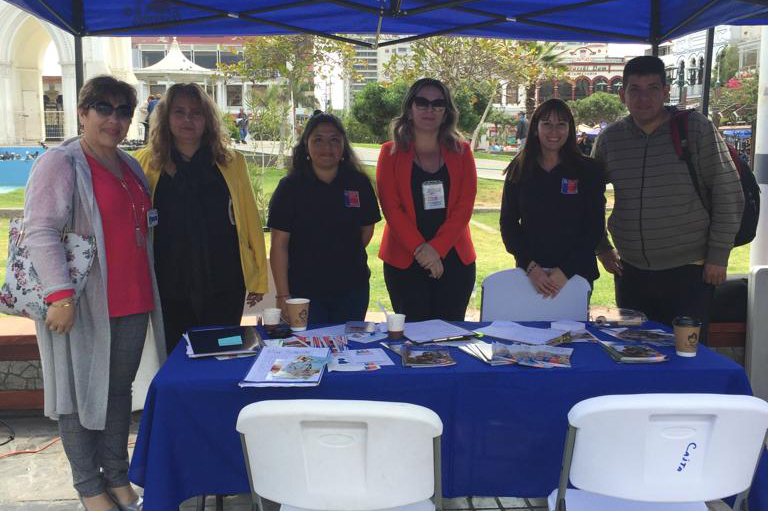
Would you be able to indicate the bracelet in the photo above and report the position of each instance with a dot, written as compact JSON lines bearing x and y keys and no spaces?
{"x":68,"y":303}
{"x":532,"y":266}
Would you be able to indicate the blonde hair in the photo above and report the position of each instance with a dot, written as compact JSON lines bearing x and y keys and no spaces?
{"x":161,"y":138}
{"x":402,"y":125}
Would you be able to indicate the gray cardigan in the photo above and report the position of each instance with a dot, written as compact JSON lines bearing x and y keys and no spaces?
{"x":76,"y":365}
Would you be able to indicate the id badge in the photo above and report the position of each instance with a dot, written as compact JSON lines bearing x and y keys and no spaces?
{"x":569,"y":186}
{"x":434,"y":195}
{"x":352,"y":198}
{"x":152,"y":218}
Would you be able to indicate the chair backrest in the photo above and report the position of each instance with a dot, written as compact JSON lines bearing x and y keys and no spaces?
{"x":667,"y":447}
{"x":344,"y":455}
{"x":509,"y":295}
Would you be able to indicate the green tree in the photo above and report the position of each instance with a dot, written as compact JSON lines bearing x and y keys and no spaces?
{"x":534,"y":62}
{"x":597,"y":108}
{"x":727,"y":65}
{"x":377,"y":104}
{"x":469,"y":66}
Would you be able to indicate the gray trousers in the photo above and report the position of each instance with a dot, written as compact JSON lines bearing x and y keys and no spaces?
{"x":99,"y":458}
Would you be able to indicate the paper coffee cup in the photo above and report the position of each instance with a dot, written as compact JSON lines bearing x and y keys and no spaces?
{"x":271,"y":317}
{"x":298,"y":313}
{"x":687,"y":334}
{"x":395,"y":325}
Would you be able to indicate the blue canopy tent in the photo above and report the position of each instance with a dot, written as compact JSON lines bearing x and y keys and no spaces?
{"x":638,"y":21}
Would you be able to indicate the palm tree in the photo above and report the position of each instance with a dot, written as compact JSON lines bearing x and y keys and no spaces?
{"x":537,"y":62}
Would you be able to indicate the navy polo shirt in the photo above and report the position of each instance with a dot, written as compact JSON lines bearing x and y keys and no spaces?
{"x":325,"y":251}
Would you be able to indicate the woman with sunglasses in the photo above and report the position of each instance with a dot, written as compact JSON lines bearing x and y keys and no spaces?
{"x":553,"y":204}
{"x":209,"y":243}
{"x":427,"y":182}
{"x":91,"y":345}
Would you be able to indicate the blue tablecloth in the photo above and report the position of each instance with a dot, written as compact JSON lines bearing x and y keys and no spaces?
{"x":504,"y":426}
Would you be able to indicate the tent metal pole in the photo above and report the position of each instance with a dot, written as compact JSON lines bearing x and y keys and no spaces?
{"x":78,"y":17}
{"x":655,"y":27}
{"x":707,"y":71}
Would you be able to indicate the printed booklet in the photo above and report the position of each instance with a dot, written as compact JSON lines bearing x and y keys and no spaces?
{"x":287,"y":367}
{"x":656,"y":337}
{"x":499,"y":353}
{"x":632,"y":353}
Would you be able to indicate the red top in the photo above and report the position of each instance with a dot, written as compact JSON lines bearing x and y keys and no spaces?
{"x":401,"y":234}
{"x":123,"y":206}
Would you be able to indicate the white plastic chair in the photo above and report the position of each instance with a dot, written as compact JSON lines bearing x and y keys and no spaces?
{"x":509,"y":295}
{"x":342,"y":455}
{"x":660,"y":452}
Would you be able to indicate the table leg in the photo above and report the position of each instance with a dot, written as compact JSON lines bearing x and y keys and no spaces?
{"x":201,"y":503}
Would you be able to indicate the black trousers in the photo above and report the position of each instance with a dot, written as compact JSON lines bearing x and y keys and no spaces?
{"x":664,"y":294}
{"x":220,"y":309}
{"x":420,"y":297}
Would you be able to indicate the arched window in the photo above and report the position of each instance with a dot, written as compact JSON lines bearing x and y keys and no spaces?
{"x":600,"y":84}
{"x":693,"y":72}
{"x":546,"y":91}
{"x":615,"y":85}
{"x":565,"y":90}
{"x":581,"y":89}
{"x":680,"y":78}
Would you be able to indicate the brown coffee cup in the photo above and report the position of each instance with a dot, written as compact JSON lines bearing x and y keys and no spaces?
{"x":298,"y":313}
{"x":687,"y":334}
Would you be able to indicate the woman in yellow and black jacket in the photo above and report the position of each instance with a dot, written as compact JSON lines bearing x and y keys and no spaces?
{"x":209,"y":243}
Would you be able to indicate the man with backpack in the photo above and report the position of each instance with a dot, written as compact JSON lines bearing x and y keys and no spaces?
{"x":673,"y":238}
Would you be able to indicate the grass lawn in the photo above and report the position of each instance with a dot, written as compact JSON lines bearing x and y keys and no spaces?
{"x":491,"y":255}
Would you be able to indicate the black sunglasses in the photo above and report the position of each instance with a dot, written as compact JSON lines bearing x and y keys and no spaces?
{"x":423,"y":103}
{"x":105,"y":109}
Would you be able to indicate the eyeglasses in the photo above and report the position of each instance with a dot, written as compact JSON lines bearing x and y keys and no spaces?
{"x":437,"y":105}
{"x":105,"y":109}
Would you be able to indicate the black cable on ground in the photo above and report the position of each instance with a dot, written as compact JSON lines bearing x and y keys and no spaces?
{"x":11,"y":433}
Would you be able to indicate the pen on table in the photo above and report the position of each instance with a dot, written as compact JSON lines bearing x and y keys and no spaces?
{"x":454,"y":338}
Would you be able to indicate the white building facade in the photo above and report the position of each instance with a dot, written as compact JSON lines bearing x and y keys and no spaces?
{"x":34,"y":109}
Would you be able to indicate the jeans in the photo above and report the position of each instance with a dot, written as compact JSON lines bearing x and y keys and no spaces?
{"x":99,"y":458}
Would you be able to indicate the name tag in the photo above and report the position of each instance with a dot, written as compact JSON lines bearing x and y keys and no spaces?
{"x":434,"y":195}
{"x":352,"y":198}
{"x":152,"y":218}
{"x":569,"y":186}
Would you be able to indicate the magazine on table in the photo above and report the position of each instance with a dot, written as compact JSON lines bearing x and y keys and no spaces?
{"x":287,"y":367}
{"x":656,"y":337}
{"x":426,"y":356}
{"x":481,"y":350}
{"x":577,"y":330}
{"x":632,"y":353}
{"x":512,"y":331}
{"x":219,"y":341}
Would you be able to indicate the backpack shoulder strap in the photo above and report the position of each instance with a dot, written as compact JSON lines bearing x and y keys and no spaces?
{"x":679,"y":133}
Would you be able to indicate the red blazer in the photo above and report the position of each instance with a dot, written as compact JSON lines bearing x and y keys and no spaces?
{"x":401,"y":235}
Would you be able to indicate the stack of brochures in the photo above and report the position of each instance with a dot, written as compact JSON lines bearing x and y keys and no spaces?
{"x":287,"y":367}
{"x":216,"y":341}
{"x":632,"y":353}
{"x":499,"y":353}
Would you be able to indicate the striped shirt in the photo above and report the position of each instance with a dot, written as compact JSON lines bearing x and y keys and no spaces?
{"x":658,"y":221}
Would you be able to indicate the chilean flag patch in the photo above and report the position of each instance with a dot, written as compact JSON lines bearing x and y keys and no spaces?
{"x":569,"y":186}
{"x":352,"y":198}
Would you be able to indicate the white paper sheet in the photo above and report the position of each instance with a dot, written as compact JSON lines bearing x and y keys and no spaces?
{"x":425,"y":331}
{"x":511,"y":331}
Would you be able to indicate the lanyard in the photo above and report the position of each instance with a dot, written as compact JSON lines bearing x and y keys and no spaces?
{"x":136,"y":226}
